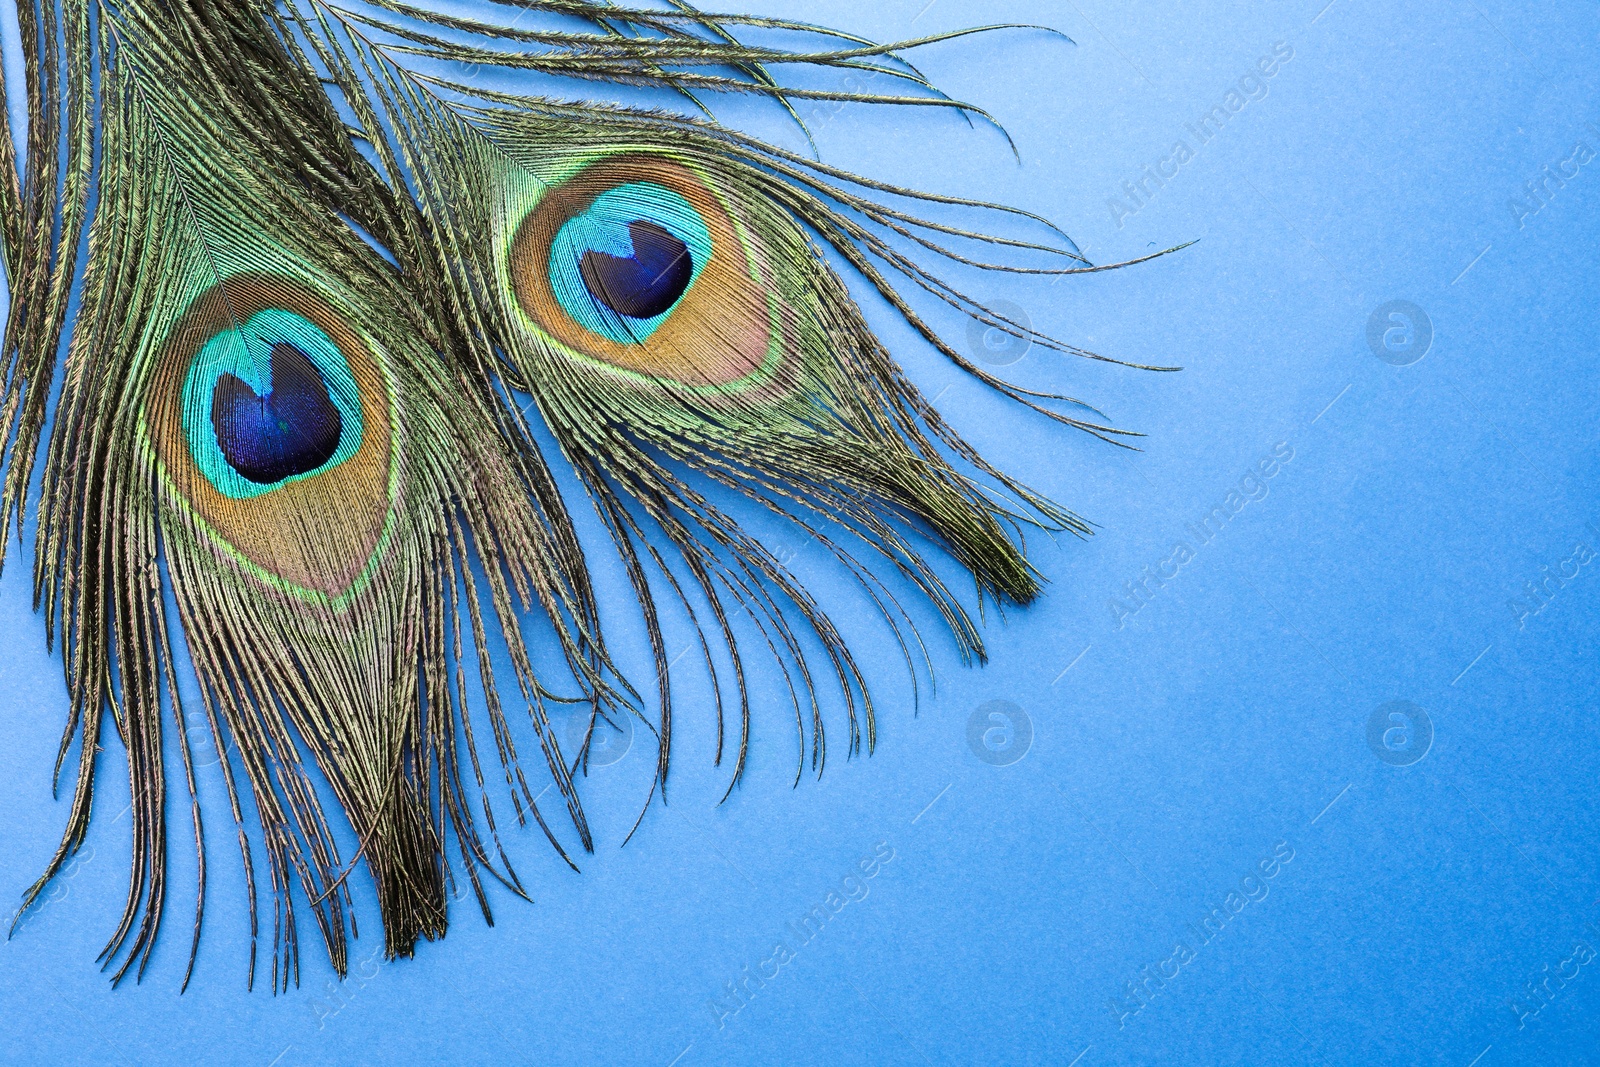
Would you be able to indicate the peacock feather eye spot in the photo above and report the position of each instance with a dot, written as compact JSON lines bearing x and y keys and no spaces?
{"x":621,"y":266}
{"x":638,"y":262}
{"x":293,"y":429}
{"x":271,"y":416}
{"x":268,"y":402}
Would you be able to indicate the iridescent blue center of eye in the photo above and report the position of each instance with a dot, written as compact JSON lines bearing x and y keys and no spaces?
{"x":622,"y":267}
{"x":292,"y":430}
{"x":269,"y":403}
{"x":646,"y":283}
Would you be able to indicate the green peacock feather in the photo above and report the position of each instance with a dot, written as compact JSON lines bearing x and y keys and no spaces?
{"x":319,"y":278}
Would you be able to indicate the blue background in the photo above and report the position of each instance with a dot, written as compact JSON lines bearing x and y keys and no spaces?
{"x":1173,"y":749}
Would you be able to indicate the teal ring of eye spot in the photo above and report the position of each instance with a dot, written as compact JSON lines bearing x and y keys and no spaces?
{"x":246,"y":354}
{"x":605,"y":228}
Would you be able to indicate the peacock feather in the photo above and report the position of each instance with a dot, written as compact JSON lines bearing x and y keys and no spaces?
{"x":329,"y":298}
